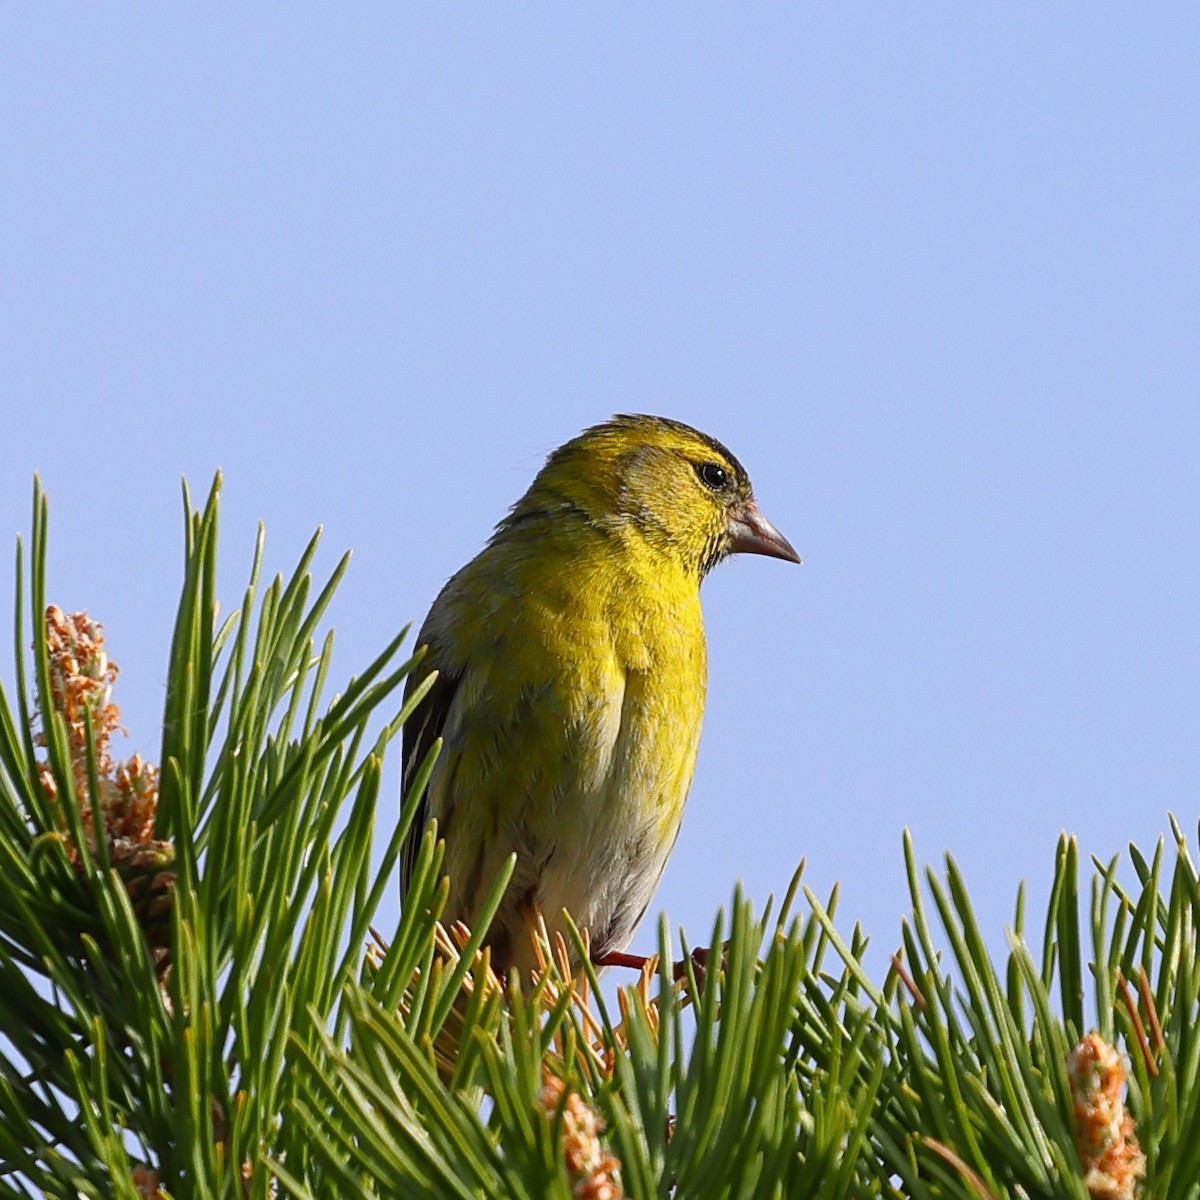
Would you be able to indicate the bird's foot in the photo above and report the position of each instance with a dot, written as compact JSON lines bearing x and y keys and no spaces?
{"x":699,"y":958}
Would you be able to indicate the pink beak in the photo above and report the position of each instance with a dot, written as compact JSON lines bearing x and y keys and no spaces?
{"x":751,"y":533}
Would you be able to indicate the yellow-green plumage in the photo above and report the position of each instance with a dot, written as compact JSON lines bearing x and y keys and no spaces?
{"x":570,"y":695}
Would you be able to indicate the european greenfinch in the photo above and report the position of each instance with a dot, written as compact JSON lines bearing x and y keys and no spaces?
{"x":570,"y":687}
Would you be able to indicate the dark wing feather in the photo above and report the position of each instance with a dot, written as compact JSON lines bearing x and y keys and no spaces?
{"x":421,"y":730}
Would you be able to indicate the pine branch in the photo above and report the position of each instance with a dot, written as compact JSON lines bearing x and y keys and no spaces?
{"x":196,"y":1002}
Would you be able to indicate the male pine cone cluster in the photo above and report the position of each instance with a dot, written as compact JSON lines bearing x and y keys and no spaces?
{"x":121,"y":808}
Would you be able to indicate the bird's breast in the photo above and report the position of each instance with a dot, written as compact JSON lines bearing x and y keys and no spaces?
{"x":637,"y":701}
{"x":571,"y":740}
{"x":640,"y":690}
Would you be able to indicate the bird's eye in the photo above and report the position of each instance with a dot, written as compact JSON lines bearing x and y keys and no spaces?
{"x":713,"y":475}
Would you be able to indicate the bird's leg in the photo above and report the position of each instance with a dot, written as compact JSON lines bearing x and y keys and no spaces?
{"x":618,"y":958}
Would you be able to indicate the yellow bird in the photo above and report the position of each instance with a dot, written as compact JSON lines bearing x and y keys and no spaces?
{"x":571,"y":678}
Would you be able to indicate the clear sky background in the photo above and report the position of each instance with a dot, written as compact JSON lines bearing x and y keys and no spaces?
{"x":931,"y":271}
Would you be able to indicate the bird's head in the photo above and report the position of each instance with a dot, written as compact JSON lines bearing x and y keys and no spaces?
{"x":678,"y":489}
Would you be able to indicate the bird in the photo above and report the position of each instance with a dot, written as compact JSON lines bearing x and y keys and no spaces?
{"x":570,"y":684}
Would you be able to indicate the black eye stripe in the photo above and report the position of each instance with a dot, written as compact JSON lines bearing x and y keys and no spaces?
{"x":713,"y":475}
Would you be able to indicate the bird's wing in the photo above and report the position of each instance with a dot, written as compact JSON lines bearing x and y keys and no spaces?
{"x":421,"y":730}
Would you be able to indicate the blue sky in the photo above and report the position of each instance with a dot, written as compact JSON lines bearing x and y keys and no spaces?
{"x":931,"y":271}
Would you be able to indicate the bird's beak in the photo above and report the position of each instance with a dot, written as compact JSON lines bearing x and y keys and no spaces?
{"x":751,"y":533}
